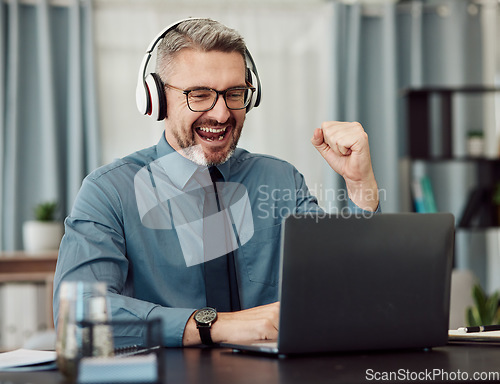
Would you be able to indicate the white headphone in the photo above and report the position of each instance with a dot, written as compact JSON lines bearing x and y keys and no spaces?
{"x":150,"y":93}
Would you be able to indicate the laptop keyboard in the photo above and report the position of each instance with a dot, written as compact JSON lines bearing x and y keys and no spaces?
{"x":270,"y":344}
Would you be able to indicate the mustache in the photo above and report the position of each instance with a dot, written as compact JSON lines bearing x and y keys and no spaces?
{"x":214,"y":123}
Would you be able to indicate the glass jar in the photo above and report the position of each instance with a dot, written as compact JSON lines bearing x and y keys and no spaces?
{"x":83,"y":327}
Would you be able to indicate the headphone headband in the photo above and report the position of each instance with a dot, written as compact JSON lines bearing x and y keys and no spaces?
{"x":150,"y":95}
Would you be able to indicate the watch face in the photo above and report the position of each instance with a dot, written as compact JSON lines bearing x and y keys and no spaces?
{"x":205,"y":315}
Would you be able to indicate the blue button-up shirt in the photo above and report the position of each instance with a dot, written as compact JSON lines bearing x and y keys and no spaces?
{"x":133,"y":226}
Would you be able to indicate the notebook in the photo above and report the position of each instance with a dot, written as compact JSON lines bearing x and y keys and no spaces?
{"x":457,"y":335}
{"x":362,"y":283}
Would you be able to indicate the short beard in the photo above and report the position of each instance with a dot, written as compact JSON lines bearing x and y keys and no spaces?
{"x":195,"y":153}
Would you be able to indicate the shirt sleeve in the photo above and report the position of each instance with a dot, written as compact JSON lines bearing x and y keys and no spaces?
{"x":309,"y":203}
{"x":353,"y":208}
{"x":93,"y":249}
{"x":305,"y":202}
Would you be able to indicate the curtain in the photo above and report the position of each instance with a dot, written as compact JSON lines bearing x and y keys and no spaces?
{"x":366,"y":87}
{"x":48,"y":109}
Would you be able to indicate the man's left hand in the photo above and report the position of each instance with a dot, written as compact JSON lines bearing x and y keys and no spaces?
{"x":345,"y":147}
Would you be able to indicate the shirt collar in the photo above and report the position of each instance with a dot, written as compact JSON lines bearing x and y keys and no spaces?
{"x":225,"y":169}
{"x":179,"y":169}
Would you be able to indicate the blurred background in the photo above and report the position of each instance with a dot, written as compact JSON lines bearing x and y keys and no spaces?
{"x":69,"y":70}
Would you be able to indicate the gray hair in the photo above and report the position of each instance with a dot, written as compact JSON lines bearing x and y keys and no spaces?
{"x":199,"y":34}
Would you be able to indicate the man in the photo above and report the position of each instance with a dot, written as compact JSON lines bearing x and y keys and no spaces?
{"x":136,"y":223}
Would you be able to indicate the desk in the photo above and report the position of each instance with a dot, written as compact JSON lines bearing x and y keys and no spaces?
{"x":220,"y":366}
{"x":22,"y":266}
{"x":28,"y":267}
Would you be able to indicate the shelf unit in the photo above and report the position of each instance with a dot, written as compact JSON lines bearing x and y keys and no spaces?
{"x":479,"y":211}
{"x":419,"y":123}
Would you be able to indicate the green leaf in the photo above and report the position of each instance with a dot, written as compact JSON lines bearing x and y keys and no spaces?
{"x":473,"y":318}
{"x":479,"y":296}
{"x":481,"y":299}
{"x":491,"y":308}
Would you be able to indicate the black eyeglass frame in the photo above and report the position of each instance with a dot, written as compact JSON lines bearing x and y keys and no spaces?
{"x":249,"y":87}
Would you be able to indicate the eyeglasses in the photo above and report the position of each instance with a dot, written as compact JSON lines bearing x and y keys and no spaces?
{"x":204,"y":99}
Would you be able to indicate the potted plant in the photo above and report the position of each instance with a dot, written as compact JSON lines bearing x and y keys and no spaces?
{"x":486,"y":309}
{"x":45,"y":232}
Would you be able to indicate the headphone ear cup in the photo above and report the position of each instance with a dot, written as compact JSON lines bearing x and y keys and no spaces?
{"x":158,"y":101}
{"x":254,"y":94}
{"x":253,"y":78}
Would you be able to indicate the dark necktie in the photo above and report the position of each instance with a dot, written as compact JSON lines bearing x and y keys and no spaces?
{"x":220,"y":273}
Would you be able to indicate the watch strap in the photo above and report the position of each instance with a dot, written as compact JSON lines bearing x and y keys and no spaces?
{"x":205,"y":336}
{"x":204,"y":323}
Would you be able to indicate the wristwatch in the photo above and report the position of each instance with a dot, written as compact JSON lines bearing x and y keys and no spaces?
{"x":204,"y":318}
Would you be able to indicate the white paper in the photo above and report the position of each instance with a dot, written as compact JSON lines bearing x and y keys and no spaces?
{"x":132,"y":369}
{"x":458,"y":335}
{"x":25,"y":357}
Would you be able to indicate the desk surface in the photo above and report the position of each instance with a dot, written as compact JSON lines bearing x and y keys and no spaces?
{"x":453,"y":363}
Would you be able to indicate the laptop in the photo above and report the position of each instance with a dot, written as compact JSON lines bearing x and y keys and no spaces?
{"x":353,"y":283}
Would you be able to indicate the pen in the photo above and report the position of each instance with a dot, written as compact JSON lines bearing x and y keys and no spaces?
{"x":481,"y":328}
